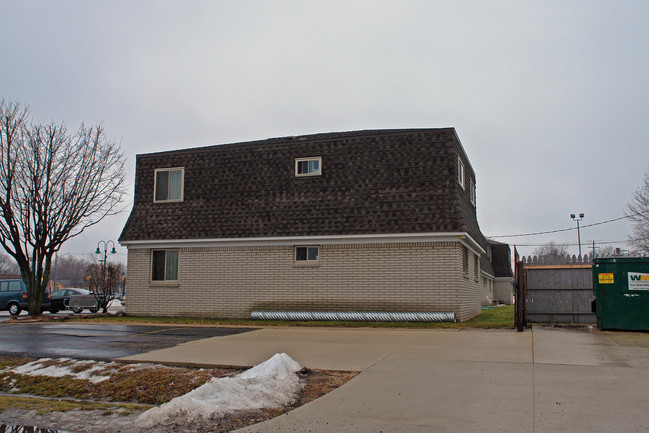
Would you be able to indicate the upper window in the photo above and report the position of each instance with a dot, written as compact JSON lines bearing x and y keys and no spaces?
{"x":308,"y":166}
{"x":472,"y":191}
{"x":460,"y":171}
{"x":164,"y":265}
{"x":169,"y":184}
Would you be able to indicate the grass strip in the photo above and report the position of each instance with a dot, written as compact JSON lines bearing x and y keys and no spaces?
{"x":490,"y":318}
{"x":46,"y":405}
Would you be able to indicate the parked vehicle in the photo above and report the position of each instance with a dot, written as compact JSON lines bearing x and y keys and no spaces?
{"x":60,"y":300}
{"x":13,"y":297}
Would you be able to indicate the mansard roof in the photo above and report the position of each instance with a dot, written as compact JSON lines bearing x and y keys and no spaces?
{"x":371,"y":182}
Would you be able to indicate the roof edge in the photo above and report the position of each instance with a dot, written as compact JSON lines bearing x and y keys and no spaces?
{"x":320,"y":136}
{"x":462,"y":237}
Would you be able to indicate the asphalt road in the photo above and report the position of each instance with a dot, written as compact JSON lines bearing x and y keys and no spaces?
{"x":98,"y":341}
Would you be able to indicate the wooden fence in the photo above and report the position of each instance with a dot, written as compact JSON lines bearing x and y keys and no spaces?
{"x":557,"y":260}
{"x":559,"y":289}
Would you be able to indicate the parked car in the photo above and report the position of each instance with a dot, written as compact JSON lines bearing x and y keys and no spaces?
{"x":13,"y":297}
{"x":60,"y":299}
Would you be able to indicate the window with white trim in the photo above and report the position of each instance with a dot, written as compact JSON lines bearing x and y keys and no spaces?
{"x":164,"y":265}
{"x":472,"y":191}
{"x":307,"y":254}
{"x":308,"y":166}
{"x":460,"y":172}
{"x":168,"y":184}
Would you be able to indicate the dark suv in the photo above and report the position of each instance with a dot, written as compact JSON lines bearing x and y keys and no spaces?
{"x":13,"y":297}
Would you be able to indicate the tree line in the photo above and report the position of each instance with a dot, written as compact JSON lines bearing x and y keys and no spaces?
{"x":70,"y":271}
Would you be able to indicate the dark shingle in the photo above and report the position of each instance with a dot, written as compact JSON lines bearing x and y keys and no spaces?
{"x":372,"y":182}
{"x":501,"y":259}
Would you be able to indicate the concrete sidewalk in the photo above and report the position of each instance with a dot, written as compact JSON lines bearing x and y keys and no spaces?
{"x":545,"y":380}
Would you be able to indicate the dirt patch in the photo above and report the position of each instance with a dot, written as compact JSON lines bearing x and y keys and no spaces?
{"x":141,"y":385}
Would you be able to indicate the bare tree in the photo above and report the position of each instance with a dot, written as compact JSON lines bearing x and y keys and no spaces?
{"x":53,"y":185}
{"x":71,"y":270}
{"x":8,"y":265}
{"x":638,"y":211}
{"x":552,"y":250}
{"x":605,"y":251}
{"x":104,"y":282}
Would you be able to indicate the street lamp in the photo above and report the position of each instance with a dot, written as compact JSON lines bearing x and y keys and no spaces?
{"x":105,"y":253}
{"x":574,"y":218}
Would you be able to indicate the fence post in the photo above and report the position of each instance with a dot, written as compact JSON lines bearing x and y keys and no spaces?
{"x":520,"y":313}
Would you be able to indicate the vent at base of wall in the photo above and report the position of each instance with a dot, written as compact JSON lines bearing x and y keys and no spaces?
{"x":352,"y":316}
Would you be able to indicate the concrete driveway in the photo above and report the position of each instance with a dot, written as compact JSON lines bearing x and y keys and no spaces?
{"x":545,"y":380}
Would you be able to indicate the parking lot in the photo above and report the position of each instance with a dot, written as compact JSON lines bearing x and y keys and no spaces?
{"x":97,"y":341}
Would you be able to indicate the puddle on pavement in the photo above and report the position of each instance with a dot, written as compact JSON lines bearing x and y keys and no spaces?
{"x":27,"y":429}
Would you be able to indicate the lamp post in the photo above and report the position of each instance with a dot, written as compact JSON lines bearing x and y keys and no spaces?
{"x":98,"y":251}
{"x":574,"y":218}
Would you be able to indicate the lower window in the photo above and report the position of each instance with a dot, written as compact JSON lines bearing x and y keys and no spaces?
{"x":164,"y":265}
{"x":306,"y":254}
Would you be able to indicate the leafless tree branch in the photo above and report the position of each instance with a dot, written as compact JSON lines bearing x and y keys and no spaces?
{"x":53,"y":185}
{"x":638,"y":211}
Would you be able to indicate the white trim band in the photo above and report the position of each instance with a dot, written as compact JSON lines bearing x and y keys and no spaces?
{"x":462,"y":237}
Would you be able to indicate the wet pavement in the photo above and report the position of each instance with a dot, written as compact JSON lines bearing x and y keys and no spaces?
{"x":98,"y":341}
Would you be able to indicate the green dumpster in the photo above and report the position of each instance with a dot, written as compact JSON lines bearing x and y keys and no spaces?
{"x":621,"y":288}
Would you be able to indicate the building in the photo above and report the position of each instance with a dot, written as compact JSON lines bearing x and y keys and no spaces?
{"x":497,"y":275}
{"x":381,"y":220}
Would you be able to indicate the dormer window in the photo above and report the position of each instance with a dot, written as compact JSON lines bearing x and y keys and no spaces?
{"x":308,"y":166}
{"x":472,"y":191}
{"x":169,"y":184}
{"x":460,"y":172}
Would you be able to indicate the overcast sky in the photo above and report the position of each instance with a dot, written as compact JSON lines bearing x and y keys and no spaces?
{"x":549,"y":98}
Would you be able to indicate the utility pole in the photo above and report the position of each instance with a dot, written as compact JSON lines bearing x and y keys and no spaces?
{"x":574,"y":218}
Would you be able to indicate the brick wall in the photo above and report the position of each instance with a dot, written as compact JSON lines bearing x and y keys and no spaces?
{"x":232,"y":281}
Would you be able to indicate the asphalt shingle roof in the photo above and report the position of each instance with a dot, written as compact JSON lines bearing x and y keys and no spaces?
{"x":501,"y":259}
{"x":372,"y":182}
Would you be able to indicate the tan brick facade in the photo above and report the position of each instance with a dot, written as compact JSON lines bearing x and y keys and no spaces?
{"x":230,"y":282}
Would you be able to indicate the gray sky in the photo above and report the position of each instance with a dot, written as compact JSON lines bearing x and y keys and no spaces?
{"x":550,"y":99}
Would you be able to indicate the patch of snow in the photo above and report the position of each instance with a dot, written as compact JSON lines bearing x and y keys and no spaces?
{"x":89,"y":374}
{"x":271,"y":384}
{"x":38,"y":368}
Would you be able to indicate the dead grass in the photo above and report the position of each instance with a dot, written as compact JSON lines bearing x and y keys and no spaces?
{"x":136,"y":389}
{"x":150,"y":385}
{"x":42,"y":406}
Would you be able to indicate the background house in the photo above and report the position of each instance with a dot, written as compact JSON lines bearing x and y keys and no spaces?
{"x":380,"y":220}
{"x":497,"y":275}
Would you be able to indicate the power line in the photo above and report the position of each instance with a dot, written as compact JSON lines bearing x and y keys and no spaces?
{"x":575,"y":244}
{"x":568,"y":229}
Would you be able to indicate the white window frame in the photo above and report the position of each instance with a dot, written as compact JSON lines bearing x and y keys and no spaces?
{"x":472,"y":191}
{"x":308,"y":159}
{"x":460,"y":172}
{"x":182,"y":184}
{"x":165,"y":280}
{"x":306,"y":261}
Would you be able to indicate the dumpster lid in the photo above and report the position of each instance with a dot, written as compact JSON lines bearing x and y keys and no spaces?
{"x":621,"y":259}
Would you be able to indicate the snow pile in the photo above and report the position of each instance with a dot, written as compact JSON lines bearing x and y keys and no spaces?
{"x":271,"y":384}
{"x":41,"y":368}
